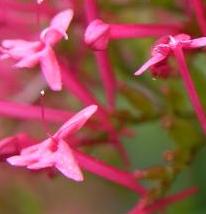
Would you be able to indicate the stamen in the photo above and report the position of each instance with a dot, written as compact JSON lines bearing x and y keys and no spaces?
{"x":44,"y":122}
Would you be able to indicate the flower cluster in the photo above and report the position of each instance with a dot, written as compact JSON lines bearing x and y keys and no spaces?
{"x":28,"y":43}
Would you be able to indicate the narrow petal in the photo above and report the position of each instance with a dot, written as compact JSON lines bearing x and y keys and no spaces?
{"x":28,"y":62}
{"x":46,"y":160}
{"x":37,"y":147}
{"x":13,"y":43}
{"x":152,"y":61}
{"x":35,"y":157}
{"x":18,"y":48}
{"x":76,"y":122}
{"x":19,"y":160}
{"x":57,"y":28}
{"x":66,"y":163}
{"x":198,"y":43}
{"x":51,"y":69}
{"x":62,"y":20}
{"x":40,"y":165}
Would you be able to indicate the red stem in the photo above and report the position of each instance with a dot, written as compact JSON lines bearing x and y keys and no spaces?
{"x":91,"y":10}
{"x":103,"y":62}
{"x":192,"y":93}
{"x":162,"y":203}
{"x":200,"y":14}
{"x":107,"y":76}
{"x":24,"y":111}
{"x":108,"y":172}
{"x":121,"y":31}
{"x":80,"y":91}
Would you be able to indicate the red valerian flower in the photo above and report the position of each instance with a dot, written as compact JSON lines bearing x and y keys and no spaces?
{"x":174,"y":45}
{"x":54,"y":151}
{"x":165,"y":47}
{"x":98,"y":33}
{"x":28,"y":54}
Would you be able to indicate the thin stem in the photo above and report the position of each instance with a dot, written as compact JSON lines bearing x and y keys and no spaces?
{"x":199,"y":10}
{"x":83,"y":94}
{"x":24,"y":111}
{"x":121,"y":31}
{"x":103,"y":62}
{"x":28,"y":7}
{"x":107,"y":76}
{"x":90,"y":9}
{"x":110,"y":173}
{"x":162,"y":203}
{"x":192,"y":93}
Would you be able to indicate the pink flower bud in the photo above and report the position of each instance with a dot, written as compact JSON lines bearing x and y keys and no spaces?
{"x":97,"y":35}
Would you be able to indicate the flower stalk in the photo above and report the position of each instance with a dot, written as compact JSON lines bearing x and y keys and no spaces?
{"x":190,"y":88}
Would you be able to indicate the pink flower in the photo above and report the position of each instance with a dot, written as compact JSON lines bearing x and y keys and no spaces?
{"x":97,"y":37}
{"x":98,"y":33}
{"x":165,"y":47}
{"x":54,"y":151}
{"x":174,"y":45}
{"x":29,"y":54}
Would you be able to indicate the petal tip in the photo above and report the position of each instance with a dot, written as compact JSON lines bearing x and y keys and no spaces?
{"x":138,"y":73}
{"x":90,"y":110}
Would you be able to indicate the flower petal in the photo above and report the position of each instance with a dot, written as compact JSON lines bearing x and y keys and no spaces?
{"x":76,"y":122}
{"x":37,"y":147}
{"x":51,"y":69}
{"x":28,"y":62}
{"x":19,"y":160}
{"x":57,"y":28}
{"x":18,"y":48}
{"x":66,"y":163}
{"x":62,"y":20}
{"x":152,"y":61}
{"x":46,"y":160}
{"x":198,"y":43}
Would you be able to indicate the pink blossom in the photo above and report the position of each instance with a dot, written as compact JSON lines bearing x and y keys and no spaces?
{"x":98,"y":33}
{"x":174,"y":46}
{"x":97,"y":39}
{"x":165,"y":47}
{"x":28,"y":54}
{"x":54,"y":151}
